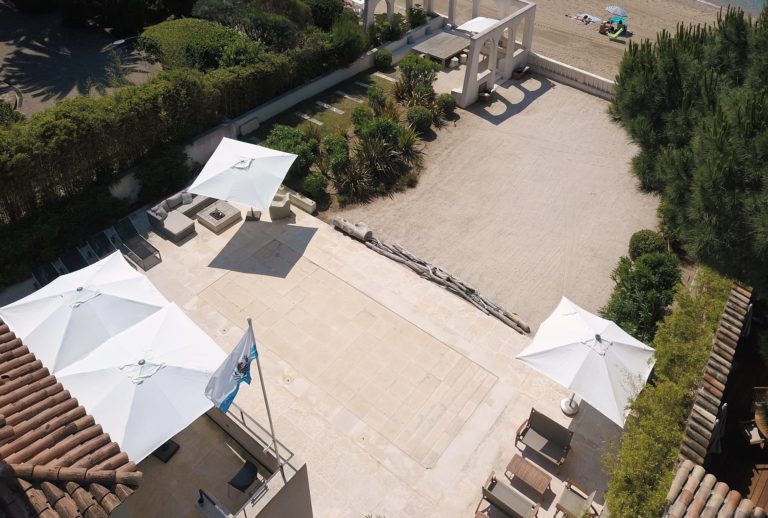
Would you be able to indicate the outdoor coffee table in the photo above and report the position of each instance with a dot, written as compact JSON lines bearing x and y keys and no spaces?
{"x":533,"y":477}
{"x":218,"y":216}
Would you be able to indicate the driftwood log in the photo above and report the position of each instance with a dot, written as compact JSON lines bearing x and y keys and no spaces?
{"x":361,"y":232}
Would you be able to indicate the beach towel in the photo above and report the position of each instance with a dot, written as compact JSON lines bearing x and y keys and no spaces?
{"x":593,"y":19}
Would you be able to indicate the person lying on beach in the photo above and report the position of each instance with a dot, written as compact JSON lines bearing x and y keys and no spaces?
{"x":584,"y":19}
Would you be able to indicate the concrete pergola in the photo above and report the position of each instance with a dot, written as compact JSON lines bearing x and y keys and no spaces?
{"x":370,"y":9}
{"x":497,"y":48}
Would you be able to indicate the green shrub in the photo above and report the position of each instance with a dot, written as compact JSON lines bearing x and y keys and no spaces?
{"x":420,"y":118}
{"x":243,"y":52}
{"x":8,"y":115}
{"x":276,"y":31}
{"x":187,"y":42}
{"x":383,"y":58}
{"x":416,"y":16}
{"x":243,"y":88}
{"x":415,"y":72}
{"x":376,"y":99}
{"x":644,"y":289}
{"x":291,"y":140}
{"x":446,"y":105}
{"x":313,"y":57}
{"x":325,"y":12}
{"x":642,"y":468}
{"x":361,"y":117}
{"x":349,"y":41}
{"x":646,"y":241}
{"x":164,"y":171}
{"x":314,"y":185}
{"x":385,"y":31}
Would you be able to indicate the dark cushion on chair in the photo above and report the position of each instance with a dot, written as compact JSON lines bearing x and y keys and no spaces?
{"x":245,"y":476}
{"x":167,"y":450}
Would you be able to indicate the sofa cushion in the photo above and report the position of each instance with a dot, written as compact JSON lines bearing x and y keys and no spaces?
{"x":154,"y":217}
{"x":164,"y":206}
{"x":161,"y":213}
{"x":178,"y":225}
{"x":186,"y":198}
{"x":545,"y":446}
{"x":174,"y":201}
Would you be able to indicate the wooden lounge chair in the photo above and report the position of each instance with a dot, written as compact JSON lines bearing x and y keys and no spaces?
{"x":507,"y":499}
{"x":575,"y":503}
{"x":135,"y":247}
{"x":545,"y":436}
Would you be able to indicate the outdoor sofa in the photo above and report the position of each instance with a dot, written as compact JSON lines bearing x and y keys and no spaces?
{"x":545,"y":436}
{"x":508,"y":499}
{"x":174,"y":216}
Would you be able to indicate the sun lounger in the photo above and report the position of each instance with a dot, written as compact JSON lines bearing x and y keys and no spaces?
{"x":135,"y":247}
{"x":44,"y":274}
{"x":507,"y":499}
{"x":545,"y":436}
{"x":101,"y":245}
{"x":73,"y":260}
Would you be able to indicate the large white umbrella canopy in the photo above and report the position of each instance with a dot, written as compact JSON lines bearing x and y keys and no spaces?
{"x":591,"y":356}
{"x":146,"y":384}
{"x":243,"y":173}
{"x":617,"y":11}
{"x":67,"y":319}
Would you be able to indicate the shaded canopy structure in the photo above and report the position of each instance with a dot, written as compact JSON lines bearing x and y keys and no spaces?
{"x":591,"y":356}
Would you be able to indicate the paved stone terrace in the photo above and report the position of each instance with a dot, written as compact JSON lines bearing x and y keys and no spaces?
{"x":401,"y":397}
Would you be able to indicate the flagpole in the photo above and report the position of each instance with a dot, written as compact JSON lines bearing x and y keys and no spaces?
{"x":266,"y":402}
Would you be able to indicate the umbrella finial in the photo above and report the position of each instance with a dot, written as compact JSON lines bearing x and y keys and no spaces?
{"x":598,"y":339}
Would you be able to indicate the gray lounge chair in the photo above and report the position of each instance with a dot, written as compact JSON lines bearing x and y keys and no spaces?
{"x":43,"y":275}
{"x":101,"y":245}
{"x":574,"y":504}
{"x":545,"y":436}
{"x":135,"y":247}
{"x":73,"y":260}
{"x":507,"y":499}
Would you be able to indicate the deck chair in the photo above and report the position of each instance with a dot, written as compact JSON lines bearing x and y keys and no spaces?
{"x":44,"y":274}
{"x":244,"y":478}
{"x":101,"y":244}
{"x":135,"y":247}
{"x":73,"y":260}
{"x":575,"y":503}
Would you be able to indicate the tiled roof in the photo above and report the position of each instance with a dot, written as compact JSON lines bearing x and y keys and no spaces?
{"x":695,"y":493}
{"x":54,"y":459}
{"x":706,"y":405}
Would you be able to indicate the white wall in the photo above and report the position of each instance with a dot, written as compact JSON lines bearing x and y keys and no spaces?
{"x":571,"y":76}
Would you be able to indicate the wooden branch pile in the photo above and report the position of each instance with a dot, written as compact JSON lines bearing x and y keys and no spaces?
{"x":435,"y":274}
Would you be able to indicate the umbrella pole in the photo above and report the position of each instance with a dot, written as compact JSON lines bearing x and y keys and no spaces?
{"x":266,"y":404}
{"x":569,"y":406}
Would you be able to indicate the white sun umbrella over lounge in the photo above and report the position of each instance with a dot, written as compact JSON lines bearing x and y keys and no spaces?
{"x":67,"y":319}
{"x":146,"y":384}
{"x":591,"y":356}
{"x":243,"y":173}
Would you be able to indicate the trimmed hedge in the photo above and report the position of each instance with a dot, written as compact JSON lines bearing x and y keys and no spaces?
{"x":642,"y":468}
{"x":188,"y":42}
{"x":646,"y":241}
{"x":420,"y":118}
{"x":383,"y":58}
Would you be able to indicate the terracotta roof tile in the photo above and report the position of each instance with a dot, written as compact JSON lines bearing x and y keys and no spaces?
{"x":706,"y":404}
{"x":55,"y":460}
{"x":695,"y":494}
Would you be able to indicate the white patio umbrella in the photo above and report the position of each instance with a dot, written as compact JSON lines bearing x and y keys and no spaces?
{"x":146,"y":384}
{"x":243,"y":173}
{"x":617,"y":11}
{"x":591,"y":356}
{"x":65,"y":320}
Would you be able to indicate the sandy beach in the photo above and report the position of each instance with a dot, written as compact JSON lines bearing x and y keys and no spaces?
{"x":570,"y":41}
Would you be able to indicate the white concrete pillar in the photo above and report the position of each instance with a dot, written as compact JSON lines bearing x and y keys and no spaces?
{"x":429,"y":6}
{"x":390,"y":10}
{"x":368,"y":12}
{"x":408,"y":5}
{"x":528,"y":29}
{"x":469,"y":92}
{"x":452,"y":12}
{"x":475,"y":8}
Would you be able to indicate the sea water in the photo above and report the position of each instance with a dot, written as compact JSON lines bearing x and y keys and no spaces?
{"x":752,"y":7}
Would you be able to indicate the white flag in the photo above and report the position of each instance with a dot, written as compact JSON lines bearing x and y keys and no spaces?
{"x":223,"y":385}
